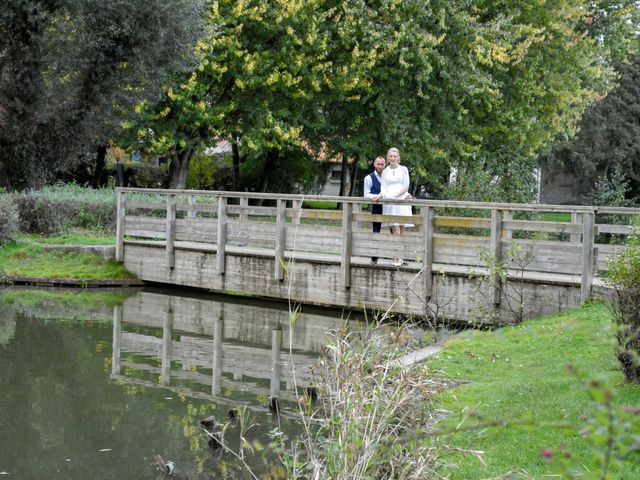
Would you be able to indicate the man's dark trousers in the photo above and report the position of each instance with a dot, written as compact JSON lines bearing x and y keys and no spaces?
{"x":376,"y":210}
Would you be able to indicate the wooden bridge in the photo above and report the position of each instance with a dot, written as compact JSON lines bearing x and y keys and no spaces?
{"x":481,"y":262}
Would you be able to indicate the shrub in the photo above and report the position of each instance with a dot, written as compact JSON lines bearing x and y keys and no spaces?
{"x":624,"y":276}
{"x":8,"y":220}
{"x":58,"y":209}
{"x":148,"y":175}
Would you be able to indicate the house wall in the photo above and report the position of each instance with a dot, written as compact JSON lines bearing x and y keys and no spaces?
{"x":563,"y":187}
{"x":332,"y":185}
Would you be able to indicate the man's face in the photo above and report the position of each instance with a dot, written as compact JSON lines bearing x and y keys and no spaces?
{"x":378,"y":165}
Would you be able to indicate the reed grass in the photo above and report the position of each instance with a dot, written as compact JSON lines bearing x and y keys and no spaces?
{"x":372,"y":418}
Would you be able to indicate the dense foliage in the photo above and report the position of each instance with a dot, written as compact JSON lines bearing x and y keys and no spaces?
{"x":606,"y":144}
{"x":8,"y":220}
{"x":482,"y":86}
{"x":624,"y":274}
{"x":72,"y":70}
{"x":60,"y":209}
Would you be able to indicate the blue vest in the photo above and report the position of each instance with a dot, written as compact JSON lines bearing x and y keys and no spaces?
{"x":375,"y":183}
{"x":375,"y":189}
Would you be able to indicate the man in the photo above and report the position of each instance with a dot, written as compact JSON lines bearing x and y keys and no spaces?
{"x":372,"y":189}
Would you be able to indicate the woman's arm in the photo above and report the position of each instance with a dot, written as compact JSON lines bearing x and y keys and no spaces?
{"x":405,"y":182}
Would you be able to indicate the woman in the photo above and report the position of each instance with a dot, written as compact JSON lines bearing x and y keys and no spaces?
{"x":395,"y":184}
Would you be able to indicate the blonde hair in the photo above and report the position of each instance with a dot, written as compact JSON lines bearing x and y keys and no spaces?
{"x":394,"y":150}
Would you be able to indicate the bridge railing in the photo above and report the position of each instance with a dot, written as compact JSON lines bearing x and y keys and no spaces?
{"x":532,"y":239}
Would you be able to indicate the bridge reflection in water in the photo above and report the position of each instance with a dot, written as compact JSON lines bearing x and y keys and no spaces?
{"x":232,"y":351}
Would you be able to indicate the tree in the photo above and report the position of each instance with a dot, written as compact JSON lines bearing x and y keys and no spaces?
{"x":261,"y":69}
{"x":73,"y":71}
{"x":483,"y":85}
{"x":607,"y":137}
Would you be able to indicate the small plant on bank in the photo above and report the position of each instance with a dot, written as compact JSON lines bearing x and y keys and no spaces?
{"x":8,"y":220}
{"x":510,"y":281}
{"x":624,"y":303}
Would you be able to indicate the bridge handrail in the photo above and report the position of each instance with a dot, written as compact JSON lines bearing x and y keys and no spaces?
{"x":525,"y":207}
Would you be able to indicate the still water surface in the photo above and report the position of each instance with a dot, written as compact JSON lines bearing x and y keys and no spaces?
{"x":95,"y":386}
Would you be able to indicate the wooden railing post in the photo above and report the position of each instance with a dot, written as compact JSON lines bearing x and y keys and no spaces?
{"x":296,"y":206}
{"x":167,"y":325}
{"x":244,"y":203}
{"x":357,"y":208}
{"x":117,"y":339}
{"x":575,"y":218}
{"x":507,"y":215}
{"x":588,"y":240}
{"x":347,"y":241}
{"x":120,"y":227}
{"x":191,"y":211}
{"x":216,"y":374}
{"x":171,"y":230}
{"x":428,"y":214}
{"x":281,"y":225}
{"x":222,"y":234}
{"x":276,"y":364}
{"x":496,"y":252}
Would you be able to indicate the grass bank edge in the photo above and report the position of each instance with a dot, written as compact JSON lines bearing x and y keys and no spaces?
{"x":517,"y":386}
{"x":26,"y":257}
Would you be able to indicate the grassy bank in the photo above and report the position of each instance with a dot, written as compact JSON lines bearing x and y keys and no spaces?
{"x":27,"y":258}
{"x":518,"y":375}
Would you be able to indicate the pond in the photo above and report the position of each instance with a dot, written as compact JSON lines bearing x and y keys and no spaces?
{"x":97,"y":385}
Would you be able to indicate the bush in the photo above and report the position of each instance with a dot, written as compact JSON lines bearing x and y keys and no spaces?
{"x":8,"y":220}
{"x":624,"y":275}
{"x":148,"y":175}
{"x":58,"y":209}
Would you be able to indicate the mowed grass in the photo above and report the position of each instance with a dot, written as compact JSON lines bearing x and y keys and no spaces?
{"x":72,"y":239}
{"x":520,"y":374}
{"x":27,"y":258}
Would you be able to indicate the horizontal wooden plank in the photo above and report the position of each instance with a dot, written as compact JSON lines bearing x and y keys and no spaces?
{"x":541,"y":226}
{"x":618,"y":229}
{"x":462,"y":222}
{"x":148,"y":227}
{"x":252,"y":211}
{"x":139,"y":205}
{"x":197,"y":207}
{"x":370,"y":217}
{"x":196,"y":230}
{"x":321,"y":214}
{"x":525,"y":207}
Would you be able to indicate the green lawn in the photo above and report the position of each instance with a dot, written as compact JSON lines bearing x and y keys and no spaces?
{"x":72,"y":239}
{"x":520,"y":373}
{"x":27,"y":258}
{"x":556,"y":217}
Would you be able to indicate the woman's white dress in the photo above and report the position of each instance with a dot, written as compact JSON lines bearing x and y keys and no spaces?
{"x":393,"y":180}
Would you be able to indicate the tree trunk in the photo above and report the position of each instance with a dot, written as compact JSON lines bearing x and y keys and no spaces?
{"x":354,"y":174}
{"x":98,"y":172}
{"x":343,"y":175}
{"x":179,"y":168}
{"x":269,"y":165}
{"x":236,"y":163}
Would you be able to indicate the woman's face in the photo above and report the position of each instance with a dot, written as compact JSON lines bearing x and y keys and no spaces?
{"x":393,"y":159}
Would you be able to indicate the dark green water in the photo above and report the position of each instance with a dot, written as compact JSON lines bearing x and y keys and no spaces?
{"x":95,"y":386}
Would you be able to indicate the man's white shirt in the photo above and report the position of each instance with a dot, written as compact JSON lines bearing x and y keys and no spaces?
{"x":368,"y":183}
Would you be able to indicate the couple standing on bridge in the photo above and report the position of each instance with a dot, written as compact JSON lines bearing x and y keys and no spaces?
{"x":391,"y":182}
